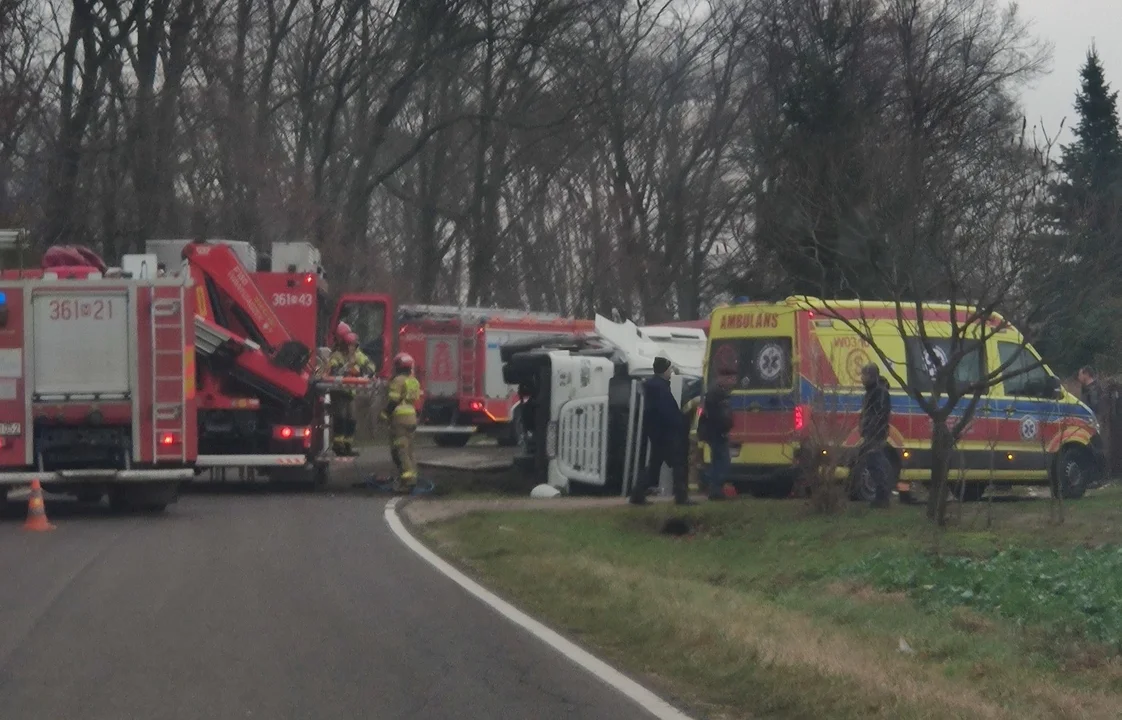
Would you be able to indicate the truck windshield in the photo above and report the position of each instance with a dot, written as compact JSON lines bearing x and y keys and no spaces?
{"x":756,"y":363}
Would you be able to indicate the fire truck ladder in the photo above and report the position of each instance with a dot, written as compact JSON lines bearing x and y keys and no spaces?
{"x":468,"y":342}
{"x":169,"y":393}
{"x":472,"y":314}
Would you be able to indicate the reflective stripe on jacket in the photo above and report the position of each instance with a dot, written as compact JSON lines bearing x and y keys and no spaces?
{"x":404,"y":392}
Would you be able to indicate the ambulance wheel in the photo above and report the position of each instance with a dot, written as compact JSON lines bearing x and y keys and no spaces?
{"x":774,"y":489}
{"x":971,"y":491}
{"x":862,"y":489}
{"x":1074,"y":470}
{"x":451,"y":440}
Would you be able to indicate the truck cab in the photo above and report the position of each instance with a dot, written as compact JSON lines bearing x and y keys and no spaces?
{"x":583,"y":401}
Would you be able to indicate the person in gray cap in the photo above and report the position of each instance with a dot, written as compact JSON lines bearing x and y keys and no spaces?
{"x":664,"y":427}
{"x":876,"y":412}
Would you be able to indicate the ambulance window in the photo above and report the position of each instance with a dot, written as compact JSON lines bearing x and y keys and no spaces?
{"x":1023,"y":372}
{"x":751,"y":363}
{"x":922,"y":368}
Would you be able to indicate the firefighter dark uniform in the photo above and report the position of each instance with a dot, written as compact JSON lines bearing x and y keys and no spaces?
{"x":348,"y":361}
{"x":401,"y":413}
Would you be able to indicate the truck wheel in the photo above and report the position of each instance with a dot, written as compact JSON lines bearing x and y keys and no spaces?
{"x":145,"y":497}
{"x":1074,"y":469}
{"x":451,"y":440}
{"x":511,"y":435}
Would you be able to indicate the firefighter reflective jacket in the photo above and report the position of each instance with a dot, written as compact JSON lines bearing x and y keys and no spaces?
{"x":357,"y":365}
{"x":404,"y":392}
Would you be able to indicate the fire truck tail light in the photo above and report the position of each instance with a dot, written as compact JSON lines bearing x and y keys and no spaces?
{"x":288,"y":432}
{"x":476,"y":406}
{"x":167,"y":439}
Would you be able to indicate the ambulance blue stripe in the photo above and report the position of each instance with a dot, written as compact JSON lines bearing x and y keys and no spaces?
{"x":904,"y":404}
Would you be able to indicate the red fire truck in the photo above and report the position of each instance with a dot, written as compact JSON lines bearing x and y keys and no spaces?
{"x":456,"y":351}
{"x":96,"y":382}
{"x":263,"y":400}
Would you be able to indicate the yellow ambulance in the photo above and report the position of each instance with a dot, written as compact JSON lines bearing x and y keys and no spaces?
{"x":793,"y":369}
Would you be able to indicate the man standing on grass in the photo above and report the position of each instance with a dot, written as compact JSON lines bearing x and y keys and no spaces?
{"x":716,"y":421}
{"x":664,"y":428}
{"x":876,"y":411}
{"x":1091,"y":393}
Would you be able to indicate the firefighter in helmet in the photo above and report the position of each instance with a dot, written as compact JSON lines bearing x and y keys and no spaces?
{"x":346,"y":361}
{"x":401,"y":413}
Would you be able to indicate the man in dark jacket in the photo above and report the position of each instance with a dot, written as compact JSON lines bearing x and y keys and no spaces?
{"x":716,"y":423}
{"x":663,"y":428}
{"x":876,"y":412}
{"x":1092,"y":393}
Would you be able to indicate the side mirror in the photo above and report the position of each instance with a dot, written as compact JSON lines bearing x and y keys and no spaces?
{"x":1056,"y":389}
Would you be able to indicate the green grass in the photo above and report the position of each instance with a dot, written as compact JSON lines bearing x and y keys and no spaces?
{"x":766,"y":611}
{"x":1071,"y":592}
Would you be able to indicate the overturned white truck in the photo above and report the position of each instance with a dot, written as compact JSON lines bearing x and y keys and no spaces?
{"x":581,"y":400}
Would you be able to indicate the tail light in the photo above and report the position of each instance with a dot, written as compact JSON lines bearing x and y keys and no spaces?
{"x":800,"y":418}
{"x":288,"y":432}
{"x":476,"y":406}
{"x":167,"y":439}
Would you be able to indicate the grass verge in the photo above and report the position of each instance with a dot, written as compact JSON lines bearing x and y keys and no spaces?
{"x":766,"y":611}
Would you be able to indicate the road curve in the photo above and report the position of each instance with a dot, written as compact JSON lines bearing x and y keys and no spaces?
{"x":260,"y":606}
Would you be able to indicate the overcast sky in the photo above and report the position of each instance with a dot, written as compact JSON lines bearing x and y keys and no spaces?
{"x":1071,"y":26}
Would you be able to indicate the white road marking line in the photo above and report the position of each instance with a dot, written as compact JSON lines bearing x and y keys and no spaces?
{"x":643,"y":697}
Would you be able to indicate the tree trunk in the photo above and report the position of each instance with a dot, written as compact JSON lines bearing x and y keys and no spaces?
{"x":942,"y":444}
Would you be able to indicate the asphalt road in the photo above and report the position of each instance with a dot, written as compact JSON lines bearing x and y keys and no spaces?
{"x":260,"y":605}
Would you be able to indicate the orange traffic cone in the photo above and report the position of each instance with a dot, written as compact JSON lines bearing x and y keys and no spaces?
{"x":36,"y":510}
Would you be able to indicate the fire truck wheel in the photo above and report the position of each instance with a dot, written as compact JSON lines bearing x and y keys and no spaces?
{"x":89,"y":496}
{"x":145,"y":498}
{"x":451,"y":440}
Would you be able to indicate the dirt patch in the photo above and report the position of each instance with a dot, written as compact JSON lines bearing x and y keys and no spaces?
{"x":865,"y":593}
{"x":424,"y":510}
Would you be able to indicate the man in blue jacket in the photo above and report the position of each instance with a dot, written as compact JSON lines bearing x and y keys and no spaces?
{"x":663,"y":426}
